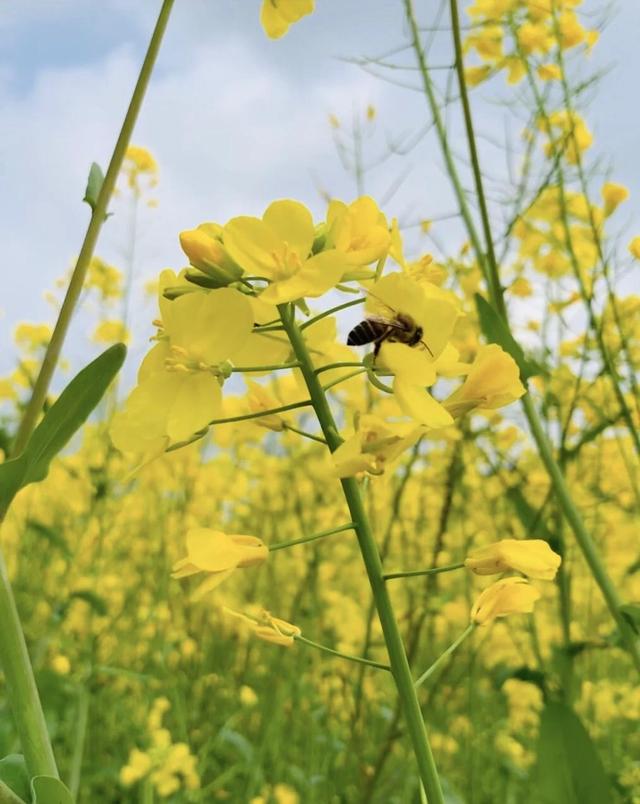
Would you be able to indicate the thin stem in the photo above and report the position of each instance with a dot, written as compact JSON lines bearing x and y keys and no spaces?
{"x":431,"y":571}
{"x":442,"y":659}
{"x":331,"y":311}
{"x":304,"y":434}
{"x":369,"y":550}
{"x":78,"y":748}
{"x":98,"y":217}
{"x":260,"y":413}
{"x":331,"y":366}
{"x":358,"y":659}
{"x":344,"y":378}
{"x":274,"y":367}
{"x":305,"y":539}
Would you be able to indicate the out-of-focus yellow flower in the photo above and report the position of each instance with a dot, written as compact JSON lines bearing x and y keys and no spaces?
{"x":634,"y":248}
{"x":358,"y":230}
{"x":247,"y":696}
{"x":549,"y":72}
{"x":613,"y":195}
{"x":278,"y":248}
{"x":111,"y":332}
{"x":32,"y":337}
{"x":521,"y":287}
{"x":276,"y":16}
{"x":508,"y":596}
{"x":493,"y":382}
{"x":260,"y":398}
{"x":105,"y":278}
{"x":217,"y":554}
{"x":61,"y":665}
{"x":531,"y":557}
{"x":476,"y":75}
{"x":375,"y":446}
{"x":269,"y":628}
{"x":139,"y":162}
{"x":137,"y":768}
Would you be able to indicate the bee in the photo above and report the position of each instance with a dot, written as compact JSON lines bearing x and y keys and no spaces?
{"x":400,"y":328}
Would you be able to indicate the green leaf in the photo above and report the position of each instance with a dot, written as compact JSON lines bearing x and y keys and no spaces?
{"x":14,"y":775}
{"x":49,"y":790}
{"x":495,"y":330}
{"x":631,"y":613}
{"x":568,"y":768}
{"x":60,"y":423}
{"x":94,"y":183}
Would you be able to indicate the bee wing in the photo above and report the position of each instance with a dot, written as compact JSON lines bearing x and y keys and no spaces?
{"x":392,"y":312}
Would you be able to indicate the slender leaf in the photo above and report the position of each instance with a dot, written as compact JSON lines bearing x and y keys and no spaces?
{"x":60,"y":423}
{"x":568,"y":767}
{"x":495,"y":330}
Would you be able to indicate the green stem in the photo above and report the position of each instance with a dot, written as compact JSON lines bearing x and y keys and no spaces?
{"x":22,"y":692}
{"x":430,"y":571}
{"x":331,"y":366}
{"x":304,"y":434}
{"x":344,"y":378}
{"x":442,"y":659}
{"x":369,"y":550}
{"x":82,"y":720}
{"x":274,"y":367}
{"x":305,"y":539}
{"x":98,"y":217}
{"x":331,"y":311}
{"x":259,"y":414}
{"x":358,"y":659}
{"x":7,"y":796}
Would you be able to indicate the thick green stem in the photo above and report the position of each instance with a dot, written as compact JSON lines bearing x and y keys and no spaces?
{"x":22,"y":692}
{"x":98,"y":216}
{"x":14,"y":657}
{"x":491,"y":271}
{"x":397,"y":656}
{"x":82,"y":721}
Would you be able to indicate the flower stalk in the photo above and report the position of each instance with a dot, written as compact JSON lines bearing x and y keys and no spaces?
{"x":369,"y":550}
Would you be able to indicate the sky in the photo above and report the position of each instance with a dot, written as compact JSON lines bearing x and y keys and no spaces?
{"x":235,"y":121}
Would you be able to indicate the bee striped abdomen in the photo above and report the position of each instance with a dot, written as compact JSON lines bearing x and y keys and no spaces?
{"x":367,"y":331}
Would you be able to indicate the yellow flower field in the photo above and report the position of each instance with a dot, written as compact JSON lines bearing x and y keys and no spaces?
{"x":356,"y":519}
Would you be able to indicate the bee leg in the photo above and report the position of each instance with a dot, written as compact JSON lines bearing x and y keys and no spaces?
{"x":426,"y":346}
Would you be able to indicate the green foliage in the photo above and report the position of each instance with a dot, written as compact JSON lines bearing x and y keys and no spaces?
{"x":568,"y":768}
{"x":49,"y":790}
{"x":60,"y":423}
{"x":14,"y":775}
{"x":631,"y":613}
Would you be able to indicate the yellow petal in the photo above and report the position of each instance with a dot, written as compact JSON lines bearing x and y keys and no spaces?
{"x":411,"y":363}
{"x":211,"y":326}
{"x":293,"y":224}
{"x":212,"y":550}
{"x":316,"y":276}
{"x":417,"y":403}
{"x":252,"y":244}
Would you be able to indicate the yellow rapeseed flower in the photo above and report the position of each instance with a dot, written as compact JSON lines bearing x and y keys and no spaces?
{"x":508,"y":596}
{"x":276,"y":16}
{"x":531,"y":557}
{"x":217,"y":554}
{"x":278,"y":248}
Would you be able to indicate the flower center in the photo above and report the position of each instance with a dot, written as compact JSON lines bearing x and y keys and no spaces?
{"x":286,"y":262}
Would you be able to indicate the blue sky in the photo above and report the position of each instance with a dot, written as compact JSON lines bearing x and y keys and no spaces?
{"x":234,"y":120}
